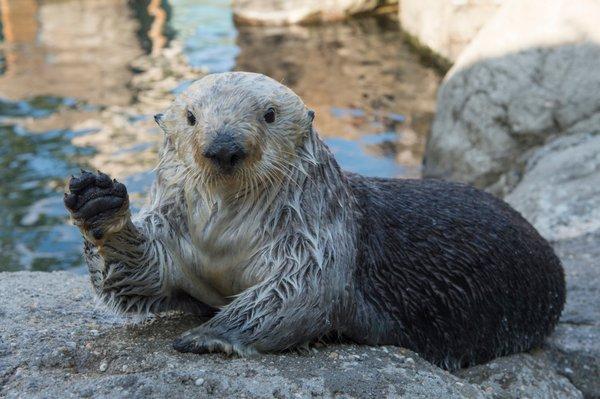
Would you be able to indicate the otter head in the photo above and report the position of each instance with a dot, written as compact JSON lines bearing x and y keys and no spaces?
{"x":236,"y":128}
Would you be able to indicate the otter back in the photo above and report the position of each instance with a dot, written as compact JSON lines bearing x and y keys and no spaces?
{"x":451,"y":272}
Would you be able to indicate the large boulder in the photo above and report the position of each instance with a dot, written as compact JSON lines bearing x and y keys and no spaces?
{"x":55,"y":343}
{"x":286,"y":12}
{"x":575,"y":345}
{"x":559,"y":191}
{"x":446,"y":27}
{"x":529,"y":77}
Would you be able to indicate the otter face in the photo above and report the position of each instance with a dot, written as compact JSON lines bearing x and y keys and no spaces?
{"x":237,"y":127}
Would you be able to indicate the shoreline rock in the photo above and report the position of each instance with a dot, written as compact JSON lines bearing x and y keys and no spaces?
{"x":518,"y":115}
{"x":54,"y":342}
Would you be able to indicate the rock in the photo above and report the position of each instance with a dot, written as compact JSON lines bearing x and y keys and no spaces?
{"x":576,"y":355}
{"x":103,"y":367}
{"x":575,"y":346}
{"x":580,"y":260}
{"x":286,"y":12}
{"x":528,"y":77}
{"x":559,"y":192}
{"x":199,"y":381}
{"x":446,"y":27}
{"x":520,"y":376}
{"x":40,"y":316}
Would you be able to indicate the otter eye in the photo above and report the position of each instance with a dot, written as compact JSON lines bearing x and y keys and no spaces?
{"x":191,"y":119}
{"x":270,"y":115}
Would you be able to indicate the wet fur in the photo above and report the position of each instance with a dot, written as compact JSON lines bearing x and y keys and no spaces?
{"x":291,"y":248}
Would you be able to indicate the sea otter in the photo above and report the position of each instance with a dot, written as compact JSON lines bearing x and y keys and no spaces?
{"x":251,"y":221}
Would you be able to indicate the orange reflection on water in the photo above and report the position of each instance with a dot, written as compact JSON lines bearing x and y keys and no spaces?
{"x":155,"y":34}
{"x":68,"y":48}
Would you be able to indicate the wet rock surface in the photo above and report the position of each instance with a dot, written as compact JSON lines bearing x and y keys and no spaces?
{"x":575,"y":345}
{"x":54,"y":342}
{"x":520,"y":376}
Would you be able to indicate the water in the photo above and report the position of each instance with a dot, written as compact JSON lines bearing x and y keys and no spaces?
{"x":79,"y":82}
{"x":208,"y":33}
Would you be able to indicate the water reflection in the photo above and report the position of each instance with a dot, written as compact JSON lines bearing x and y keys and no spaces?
{"x":33,"y":234}
{"x":78,"y":49}
{"x":361,"y":81}
{"x":154,"y":32}
{"x":207,"y":31}
{"x":81,"y":80}
{"x":67,"y":103}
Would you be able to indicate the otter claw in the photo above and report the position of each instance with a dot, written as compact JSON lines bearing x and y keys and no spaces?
{"x":70,"y":200}
{"x":103,"y":181}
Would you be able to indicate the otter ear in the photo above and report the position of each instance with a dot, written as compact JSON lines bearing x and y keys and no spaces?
{"x":160,"y":121}
{"x":309,"y":129}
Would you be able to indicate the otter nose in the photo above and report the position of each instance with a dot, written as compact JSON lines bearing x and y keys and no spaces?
{"x":225,"y":152}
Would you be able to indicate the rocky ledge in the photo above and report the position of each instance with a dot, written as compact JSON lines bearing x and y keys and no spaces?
{"x":55,"y":342}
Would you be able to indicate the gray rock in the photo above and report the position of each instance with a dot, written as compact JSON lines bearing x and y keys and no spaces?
{"x":494,"y":113}
{"x":575,"y":352}
{"x":575,"y":346}
{"x":560,"y":189}
{"x":528,"y":77}
{"x":520,"y":376}
{"x":56,"y":343}
{"x":581,"y":260}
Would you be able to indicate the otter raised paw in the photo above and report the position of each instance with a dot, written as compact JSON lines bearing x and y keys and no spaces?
{"x":98,"y":205}
{"x":126,"y":259}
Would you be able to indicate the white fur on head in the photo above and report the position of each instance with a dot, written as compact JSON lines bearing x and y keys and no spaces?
{"x":236,"y":102}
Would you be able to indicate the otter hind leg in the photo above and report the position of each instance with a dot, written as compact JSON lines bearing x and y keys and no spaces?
{"x":204,"y":340}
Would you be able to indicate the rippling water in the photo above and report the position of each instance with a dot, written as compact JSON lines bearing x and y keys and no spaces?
{"x":79,"y":82}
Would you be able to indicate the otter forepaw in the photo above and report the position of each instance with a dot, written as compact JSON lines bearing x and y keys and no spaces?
{"x":98,"y":205}
{"x":202,"y":340}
